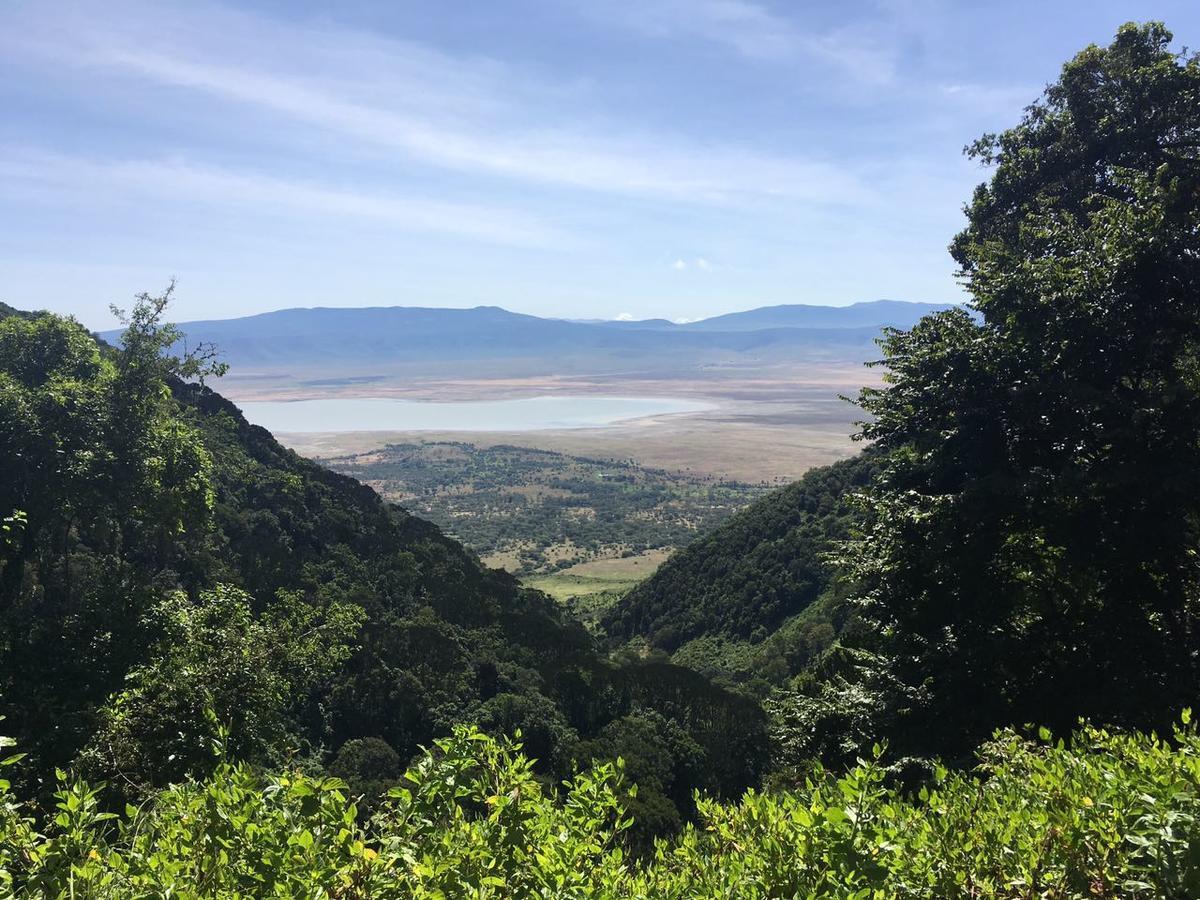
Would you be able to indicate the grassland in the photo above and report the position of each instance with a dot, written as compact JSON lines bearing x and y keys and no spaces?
{"x":767,"y":428}
{"x":599,"y":576}
{"x":594,"y":524}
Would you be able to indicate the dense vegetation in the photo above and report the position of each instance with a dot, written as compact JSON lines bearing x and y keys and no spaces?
{"x":1029,"y":551}
{"x":185,"y":608}
{"x":6,"y":310}
{"x":1025,"y":549}
{"x":756,"y":595}
{"x":536,"y":510}
{"x":1103,"y":816}
{"x":169,"y":568}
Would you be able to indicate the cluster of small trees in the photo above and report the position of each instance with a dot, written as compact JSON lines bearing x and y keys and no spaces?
{"x":533,"y":502}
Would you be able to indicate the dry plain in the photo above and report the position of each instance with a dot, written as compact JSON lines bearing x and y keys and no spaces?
{"x":770,"y":427}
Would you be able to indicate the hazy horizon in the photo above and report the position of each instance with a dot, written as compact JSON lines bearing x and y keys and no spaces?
{"x":626,"y":318}
{"x":651,"y":159}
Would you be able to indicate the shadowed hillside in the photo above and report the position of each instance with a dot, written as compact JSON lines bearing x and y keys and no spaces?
{"x":753,"y":597}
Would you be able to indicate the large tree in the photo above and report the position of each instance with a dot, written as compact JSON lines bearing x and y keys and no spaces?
{"x":1033,"y":546}
{"x":102,"y":484}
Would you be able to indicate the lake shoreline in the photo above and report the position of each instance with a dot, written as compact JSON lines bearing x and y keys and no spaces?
{"x":547,"y":412}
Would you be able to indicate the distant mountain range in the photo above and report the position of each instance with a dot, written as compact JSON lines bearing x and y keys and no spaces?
{"x":875,"y":314}
{"x":488,"y":341}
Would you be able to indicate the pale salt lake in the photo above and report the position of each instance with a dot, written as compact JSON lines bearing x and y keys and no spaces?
{"x":525,"y":414}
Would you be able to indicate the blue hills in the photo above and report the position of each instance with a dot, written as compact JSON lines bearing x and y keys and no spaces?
{"x":491,"y":341}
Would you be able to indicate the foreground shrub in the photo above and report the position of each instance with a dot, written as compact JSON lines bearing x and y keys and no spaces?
{"x":1105,"y":815}
{"x":471,"y":820}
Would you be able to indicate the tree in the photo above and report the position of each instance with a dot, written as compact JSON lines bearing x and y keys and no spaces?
{"x":53,"y":417}
{"x":93,"y":439}
{"x":218,"y":667}
{"x":1032,"y":544}
{"x":662,"y":760}
{"x":102,"y":482}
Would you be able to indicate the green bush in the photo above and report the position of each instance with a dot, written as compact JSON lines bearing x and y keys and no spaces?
{"x":1104,"y":815}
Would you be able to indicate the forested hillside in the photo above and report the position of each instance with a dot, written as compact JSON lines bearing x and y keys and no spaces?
{"x":755,"y":596}
{"x":6,"y":310}
{"x":172,"y":569}
{"x":1024,"y":547}
{"x":219,"y":661}
{"x":1025,"y":550}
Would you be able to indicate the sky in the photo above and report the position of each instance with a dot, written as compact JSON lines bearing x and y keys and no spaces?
{"x":571,"y":158}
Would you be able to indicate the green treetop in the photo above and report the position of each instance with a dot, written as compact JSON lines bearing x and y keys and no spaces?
{"x":1032,"y":546}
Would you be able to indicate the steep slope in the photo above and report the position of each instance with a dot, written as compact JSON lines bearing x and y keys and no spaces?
{"x":445,"y":640}
{"x":754,"y":593}
{"x":112,"y":604}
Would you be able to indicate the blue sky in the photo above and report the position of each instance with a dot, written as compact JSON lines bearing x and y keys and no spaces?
{"x":579,"y":158}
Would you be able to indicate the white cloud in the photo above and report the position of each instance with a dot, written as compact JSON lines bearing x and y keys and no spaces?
{"x":472,"y":116}
{"x":166,"y":181}
{"x":636,"y":165}
{"x":625,"y":317}
{"x":700,"y":263}
{"x":748,"y":28}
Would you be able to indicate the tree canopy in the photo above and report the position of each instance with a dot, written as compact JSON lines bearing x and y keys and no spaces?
{"x":1031,"y":551}
{"x":169,"y":570}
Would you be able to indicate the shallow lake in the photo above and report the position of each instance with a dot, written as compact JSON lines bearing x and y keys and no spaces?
{"x":526,"y":414}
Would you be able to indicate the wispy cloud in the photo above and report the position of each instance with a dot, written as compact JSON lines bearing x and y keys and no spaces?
{"x":1001,"y":99}
{"x":487,"y":120}
{"x":754,"y":31}
{"x":748,"y":28}
{"x":171,"y":182}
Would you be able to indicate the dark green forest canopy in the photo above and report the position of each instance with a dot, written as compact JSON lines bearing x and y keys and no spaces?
{"x":174,"y":569}
{"x":6,"y":310}
{"x":746,"y":579}
{"x":1031,"y":546}
{"x":1025,"y":544}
